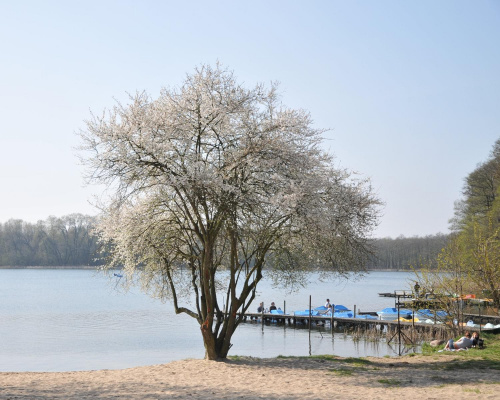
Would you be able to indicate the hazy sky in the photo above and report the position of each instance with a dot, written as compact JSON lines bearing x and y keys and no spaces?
{"x":409,"y":90}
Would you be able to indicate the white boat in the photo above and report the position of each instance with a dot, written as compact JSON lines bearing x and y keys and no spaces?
{"x":391,"y":314}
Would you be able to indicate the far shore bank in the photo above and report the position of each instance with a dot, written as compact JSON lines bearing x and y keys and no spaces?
{"x":51,"y":267}
{"x":96,"y":268}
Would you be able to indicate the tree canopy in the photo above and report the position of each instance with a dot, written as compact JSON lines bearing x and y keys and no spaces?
{"x":220,"y":180}
{"x":470,"y":263}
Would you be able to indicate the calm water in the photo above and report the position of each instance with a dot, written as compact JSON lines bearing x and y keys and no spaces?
{"x":62,"y":320}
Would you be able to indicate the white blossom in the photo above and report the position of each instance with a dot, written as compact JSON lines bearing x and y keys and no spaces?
{"x":215,"y":177}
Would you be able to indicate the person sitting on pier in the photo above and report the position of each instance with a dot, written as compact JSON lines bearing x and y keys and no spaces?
{"x":260,"y":308}
{"x":327,"y":304}
{"x":273,"y":307}
{"x":463,"y":343}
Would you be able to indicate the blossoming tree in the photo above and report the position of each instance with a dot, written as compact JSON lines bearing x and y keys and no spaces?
{"x":212,"y":184}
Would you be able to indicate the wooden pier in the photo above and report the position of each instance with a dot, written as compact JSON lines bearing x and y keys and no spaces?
{"x":404,"y":294}
{"x":305,"y":320}
{"x":322,"y":320}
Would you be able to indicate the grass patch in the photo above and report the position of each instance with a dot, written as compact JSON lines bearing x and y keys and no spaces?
{"x":427,"y":349}
{"x":356,"y":361}
{"x":473,"y":359}
{"x":472,"y":390}
{"x":325,"y":357}
{"x":235,"y":358}
{"x":342,"y":371}
{"x":471,"y":365}
{"x":490,"y":354}
{"x":390,"y":382}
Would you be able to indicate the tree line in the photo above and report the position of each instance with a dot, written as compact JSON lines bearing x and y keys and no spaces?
{"x":70,"y":241}
{"x":470,"y":262}
{"x":407,"y":252}
{"x":65,"y":241}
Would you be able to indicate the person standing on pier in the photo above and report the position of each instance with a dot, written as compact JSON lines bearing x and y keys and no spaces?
{"x":273,"y":307}
{"x":416,"y":289}
{"x":260,"y":308}
{"x":327,"y":304}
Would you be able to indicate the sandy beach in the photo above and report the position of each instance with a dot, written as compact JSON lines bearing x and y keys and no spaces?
{"x":277,"y":378}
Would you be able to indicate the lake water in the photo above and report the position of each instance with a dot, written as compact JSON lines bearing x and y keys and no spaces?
{"x":63,"y":320}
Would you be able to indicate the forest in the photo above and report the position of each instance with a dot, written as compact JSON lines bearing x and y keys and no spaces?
{"x":403,"y":253}
{"x":470,"y":262}
{"x":69,"y":241}
{"x":65,"y":241}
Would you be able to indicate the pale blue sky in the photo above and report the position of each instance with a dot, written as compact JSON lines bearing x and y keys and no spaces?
{"x":410,"y":90}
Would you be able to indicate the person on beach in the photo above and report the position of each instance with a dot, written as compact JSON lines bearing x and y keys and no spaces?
{"x":260,"y":308}
{"x":273,"y":307}
{"x":327,"y":304}
{"x":463,"y":343}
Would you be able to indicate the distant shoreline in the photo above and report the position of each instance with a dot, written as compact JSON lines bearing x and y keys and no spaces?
{"x":96,"y":267}
{"x":51,"y":267}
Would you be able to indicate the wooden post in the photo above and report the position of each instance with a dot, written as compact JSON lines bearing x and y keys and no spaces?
{"x":461,"y":319}
{"x":399,"y":323}
{"x":331,"y":318}
{"x":310,"y":317}
{"x":310,"y":314}
{"x":462,"y":305}
{"x":284,"y":306}
{"x":480,"y":319}
{"x":354,"y":310}
{"x":262,"y":316}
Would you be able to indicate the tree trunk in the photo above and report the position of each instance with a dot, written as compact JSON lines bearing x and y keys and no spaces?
{"x":216,"y":348}
{"x":209,"y":343}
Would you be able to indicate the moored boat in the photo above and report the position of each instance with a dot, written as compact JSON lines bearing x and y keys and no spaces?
{"x":306,"y":313}
{"x":391,"y":314}
{"x":401,"y":319}
{"x":366,"y":316}
{"x":426,"y":313}
{"x":490,"y":328}
{"x":343,"y":314}
{"x":336,"y":308}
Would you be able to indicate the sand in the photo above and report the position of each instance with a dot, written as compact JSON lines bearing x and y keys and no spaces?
{"x":278,"y":378}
